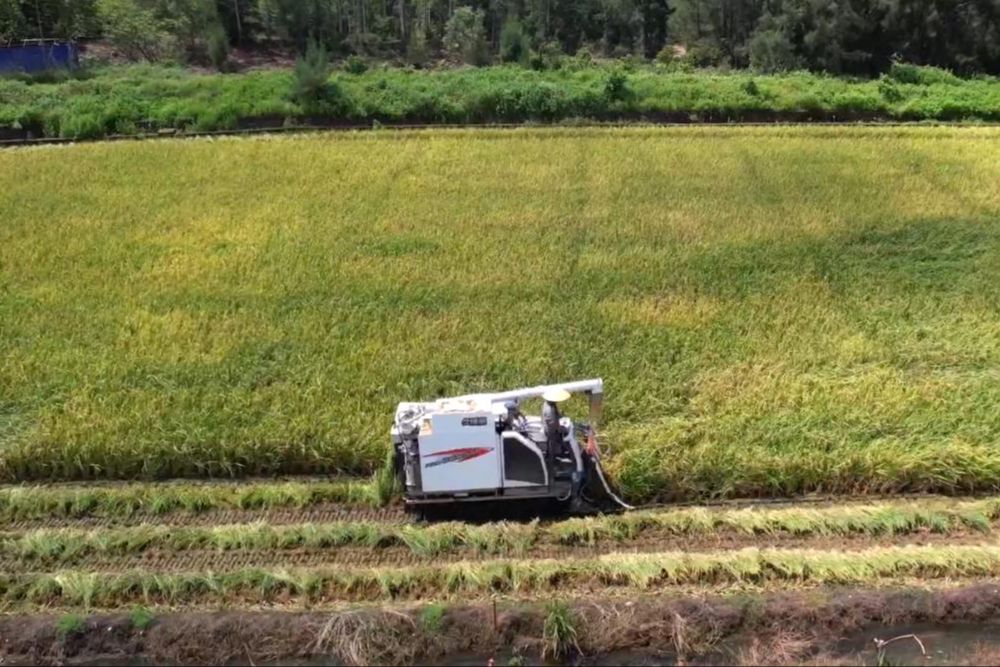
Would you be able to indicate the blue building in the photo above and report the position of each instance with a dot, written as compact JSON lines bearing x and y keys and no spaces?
{"x":37,"y":55}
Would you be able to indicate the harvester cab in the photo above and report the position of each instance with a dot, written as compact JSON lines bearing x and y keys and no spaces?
{"x":481,"y":447}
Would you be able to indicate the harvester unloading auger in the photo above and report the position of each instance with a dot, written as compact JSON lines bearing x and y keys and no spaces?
{"x":480,"y":447}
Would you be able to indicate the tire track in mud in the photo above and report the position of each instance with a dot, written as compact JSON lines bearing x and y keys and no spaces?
{"x":218,"y":561}
{"x":327,"y":513}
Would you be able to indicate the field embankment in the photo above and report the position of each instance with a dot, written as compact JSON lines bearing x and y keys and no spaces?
{"x":830,"y":627}
{"x":774,"y":311}
{"x":143,"y":99}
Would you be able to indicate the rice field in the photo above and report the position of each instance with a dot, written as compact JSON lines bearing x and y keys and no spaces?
{"x":774,"y":310}
{"x":202,"y":342}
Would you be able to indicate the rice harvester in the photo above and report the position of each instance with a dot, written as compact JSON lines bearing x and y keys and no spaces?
{"x":481,"y":447}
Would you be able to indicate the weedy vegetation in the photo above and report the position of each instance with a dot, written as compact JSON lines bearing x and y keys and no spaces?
{"x":559,"y":631}
{"x":143,"y":98}
{"x":70,"y":624}
{"x":774,"y":310}
{"x":141,"y":618}
{"x":432,"y":618}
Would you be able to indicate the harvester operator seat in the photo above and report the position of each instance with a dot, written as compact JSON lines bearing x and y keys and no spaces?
{"x":555,"y":434}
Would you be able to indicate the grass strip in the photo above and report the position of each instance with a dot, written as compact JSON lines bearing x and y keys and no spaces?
{"x":68,"y":545}
{"x":632,"y":571}
{"x":140,"y":98}
{"x":39,"y":502}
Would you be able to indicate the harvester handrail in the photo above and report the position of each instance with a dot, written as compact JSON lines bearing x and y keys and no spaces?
{"x":592,"y":386}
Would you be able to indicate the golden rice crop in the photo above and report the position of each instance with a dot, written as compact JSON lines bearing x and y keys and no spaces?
{"x":774,"y":310}
{"x":636,"y":571}
{"x":68,"y":546}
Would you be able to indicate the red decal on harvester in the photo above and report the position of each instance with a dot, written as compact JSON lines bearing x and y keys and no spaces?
{"x":458,"y":455}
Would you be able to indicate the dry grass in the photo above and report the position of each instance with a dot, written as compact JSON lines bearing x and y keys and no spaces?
{"x":366,"y":638}
{"x":774,"y":310}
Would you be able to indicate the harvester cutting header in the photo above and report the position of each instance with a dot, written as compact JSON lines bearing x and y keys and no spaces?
{"x":481,"y":447}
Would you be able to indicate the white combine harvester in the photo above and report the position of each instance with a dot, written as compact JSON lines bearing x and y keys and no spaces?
{"x":480,"y":447}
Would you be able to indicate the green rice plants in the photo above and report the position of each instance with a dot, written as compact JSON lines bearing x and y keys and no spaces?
{"x":502,"y":538}
{"x":38,"y":590}
{"x":640,"y":570}
{"x":385,"y":482}
{"x":78,"y":588}
{"x":397,"y":583}
{"x":559,"y":631}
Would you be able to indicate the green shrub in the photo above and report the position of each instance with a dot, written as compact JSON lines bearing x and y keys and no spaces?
{"x":83,"y":125}
{"x":70,"y":624}
{"x":355,"y":65}
{"x":432,"y":618}
{"x":218,"y":47}
{"x":548,"y":57}
{"x":312,"y":87}
{"x":921,"y":75}
{"x":616,"y":87}
{"x":889,"y":91}
{"x":666,"y":55}
{"x":514,"y":46}
{"x":705,"y":53}
{"x":141,"y":618}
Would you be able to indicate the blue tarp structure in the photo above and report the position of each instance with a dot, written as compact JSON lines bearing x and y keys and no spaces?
{"x":38,"y":57}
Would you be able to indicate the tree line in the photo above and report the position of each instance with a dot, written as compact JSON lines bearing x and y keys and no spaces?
{"x":856,"y":37}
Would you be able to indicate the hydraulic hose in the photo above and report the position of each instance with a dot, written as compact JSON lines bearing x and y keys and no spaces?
{"x":604,"y":482}
{"x":595,"y":454}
